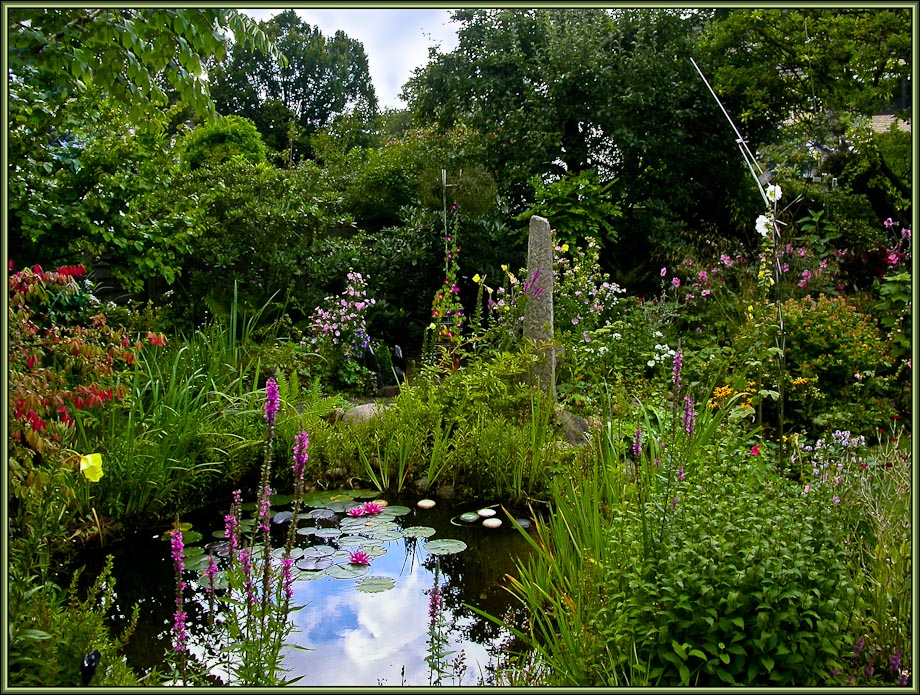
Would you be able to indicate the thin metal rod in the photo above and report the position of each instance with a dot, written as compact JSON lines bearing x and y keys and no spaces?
{"x":745,"y":151}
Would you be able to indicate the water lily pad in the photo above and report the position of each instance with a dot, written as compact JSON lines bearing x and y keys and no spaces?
{"x":313,"y":564}
{"x":249,"y":506}
{"x":318,"y":551}
{"x":327,"y":532}
{"x":339,"y":506}
{"x":220,"y":580}
{"x":282,"y":517}
{"x":418,"y":532}
{"x":193,"y":551}
{"x":320,"y":514}
{"x":351,"y":540}
{"x":385,"y":534}
{"x":196,"y":564}
{"x":444,"y":546}
{"x":395,"y":510}
{"x":524,"y":523}
{"x":321,"y":498}
{"x":364,"y":494}
{"x":278,"y":553}
{"x":219,"y":534}
{"x":373,"y":585}
{"x":219,"y":548}
{"x":306,"y":531}
{"x":374,"y":549}
{"x":469,"y":517}
{"x":347,"y":571}
{"x":351,"y":522}
{"x":280,"y":500}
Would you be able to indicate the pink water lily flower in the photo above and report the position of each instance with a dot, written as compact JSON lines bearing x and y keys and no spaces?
{"x":371,"y":508}
{"x":356,"y":511}
{"x":359,"y":557}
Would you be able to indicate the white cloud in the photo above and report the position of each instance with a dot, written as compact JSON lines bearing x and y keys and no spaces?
{"x":396,"y":41}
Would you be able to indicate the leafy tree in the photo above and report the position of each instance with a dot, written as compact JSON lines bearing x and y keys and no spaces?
{"x":89,"y":93}
{"x":769,"y":64}
{"x":131,"y":55}
{"x":815,"y":76}
{"x":556,"y":92}
{"x":322,"y":78}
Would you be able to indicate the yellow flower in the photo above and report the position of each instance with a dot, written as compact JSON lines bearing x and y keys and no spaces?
{"x":565,"y":247}
{"x":91,"y":467}
{"x":432,"y":326}
{"x":477,"y":279}
{"x":505,"y":267}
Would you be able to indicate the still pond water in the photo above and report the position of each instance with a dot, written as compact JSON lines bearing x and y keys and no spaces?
{"x":349,"y":637}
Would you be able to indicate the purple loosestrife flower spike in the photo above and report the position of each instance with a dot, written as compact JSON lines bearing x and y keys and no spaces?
{"x":895,"y":665}
{"x":264,"y":508}
{"x":272,"y":401}
{"x":287,"y":579}
{"x":179,"y":630}
{"x":210,"y":572}
{"x":689,"y":418}
{"x":637,"y":443}
{"x":301,"y":443}
{"x":678,"y":365}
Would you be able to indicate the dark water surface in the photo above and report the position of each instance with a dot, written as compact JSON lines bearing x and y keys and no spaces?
{"x":351,"y":638}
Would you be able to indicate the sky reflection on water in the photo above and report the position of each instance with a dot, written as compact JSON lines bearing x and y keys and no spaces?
{"x":366,"y":639}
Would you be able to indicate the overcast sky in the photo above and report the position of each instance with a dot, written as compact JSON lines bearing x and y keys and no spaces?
{"x":396,"y":40}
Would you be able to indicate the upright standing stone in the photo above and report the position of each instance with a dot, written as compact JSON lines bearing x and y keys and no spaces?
{"x":538,"y":315}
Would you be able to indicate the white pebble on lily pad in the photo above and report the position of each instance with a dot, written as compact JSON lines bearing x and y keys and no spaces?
{"x":486,"y":512}
{"x":492,"y":522}
{"x":425,"y":504}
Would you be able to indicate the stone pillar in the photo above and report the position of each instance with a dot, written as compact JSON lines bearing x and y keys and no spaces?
{"x":538,"y":315}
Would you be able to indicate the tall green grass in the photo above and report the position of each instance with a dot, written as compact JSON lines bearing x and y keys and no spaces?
{"x":190,"y":420}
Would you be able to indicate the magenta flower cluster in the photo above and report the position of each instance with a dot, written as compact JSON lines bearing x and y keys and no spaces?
{"x":366,"y":509}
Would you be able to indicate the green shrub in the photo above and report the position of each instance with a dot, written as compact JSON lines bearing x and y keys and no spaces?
{"x":749,"y":586}
{"x":226,"y":138}
{"x":50,"y":630}
{"x":838,"y":371}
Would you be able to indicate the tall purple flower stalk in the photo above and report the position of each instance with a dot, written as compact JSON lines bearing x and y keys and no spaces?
{"x":637,"y":443}
{"x":179,"y":629}
{"x":689,"y":417}
{"x":675,"y":376}
{"x":272,"y":401}
{"x":301,"y":443}
{"x":265,"y":510}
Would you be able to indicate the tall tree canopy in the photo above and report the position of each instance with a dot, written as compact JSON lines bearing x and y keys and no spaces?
{"x":323,"y":78}
{"x":131,"y":55}
{"x":771,"y":64}
{"x":560,"y":91}
{"x":89,"y":99}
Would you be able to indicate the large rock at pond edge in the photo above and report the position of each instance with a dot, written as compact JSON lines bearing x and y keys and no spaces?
{"x":574,"y":428}
{"x":361,"y":413}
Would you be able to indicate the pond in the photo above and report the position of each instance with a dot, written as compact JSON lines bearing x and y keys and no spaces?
{"x":358,"y":626}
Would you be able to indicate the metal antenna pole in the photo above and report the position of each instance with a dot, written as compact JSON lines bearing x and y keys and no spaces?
{"x":749,"y":158}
